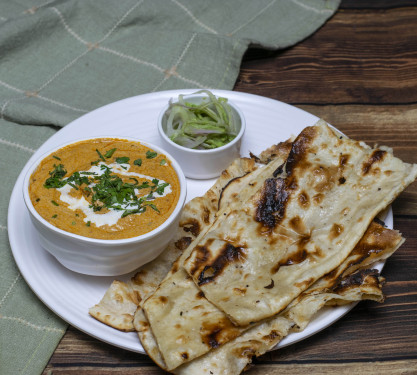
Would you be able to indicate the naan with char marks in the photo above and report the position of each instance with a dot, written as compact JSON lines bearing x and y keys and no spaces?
{"x":178,"y":289}
{"x":303,"y":222}
{"x":194,"y":324}
{"x":231,"y":348}
{"x":342,"y":285}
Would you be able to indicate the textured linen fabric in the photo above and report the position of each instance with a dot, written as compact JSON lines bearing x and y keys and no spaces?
{"x":61,"y":59}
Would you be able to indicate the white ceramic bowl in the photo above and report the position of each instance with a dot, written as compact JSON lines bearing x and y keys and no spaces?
{"x":104,"y":257}
{"x":203,"y":164}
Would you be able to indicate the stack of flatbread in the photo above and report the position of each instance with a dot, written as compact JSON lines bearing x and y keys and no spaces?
{"x":278,"y":237}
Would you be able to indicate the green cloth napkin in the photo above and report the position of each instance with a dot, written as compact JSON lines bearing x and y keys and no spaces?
{"x":61,"y":59}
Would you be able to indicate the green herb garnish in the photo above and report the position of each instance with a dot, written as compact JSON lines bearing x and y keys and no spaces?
{"x":100,"y":155}
{"x":107,"y":190}
{"x":151,"y":205}
{"x":122,"y":160}
{"x":54,"y":216}
{"x":88,"y":223}
{"x":56,"y":157}
{"x":55,"y":181}
{"x":151,"y":154}
{"x":109,"y":153}
{"x":160,"y":188}
{"x":163,"y":162}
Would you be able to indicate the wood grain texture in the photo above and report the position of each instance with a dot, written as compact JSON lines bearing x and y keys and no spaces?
{"x":359,"y":73}
{"x":359,"y":56}
{"x":370,"y":368}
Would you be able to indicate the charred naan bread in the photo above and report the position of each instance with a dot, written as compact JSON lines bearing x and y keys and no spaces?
{"x":235,"y":356}
{"x":300,"y":225}
{"x":287,"y":204}
{"x":118,"y":306}
{"x":178,"y":289}
{"x":340,"y":285}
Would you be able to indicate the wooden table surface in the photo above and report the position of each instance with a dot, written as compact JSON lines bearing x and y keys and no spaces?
{"x":359,"y":73}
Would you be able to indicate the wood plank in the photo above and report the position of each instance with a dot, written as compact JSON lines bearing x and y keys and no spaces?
{"x":377,"y":5}
{"x":403,"y":367}
{"x":374,"y":61}
{"x":91,"y":370}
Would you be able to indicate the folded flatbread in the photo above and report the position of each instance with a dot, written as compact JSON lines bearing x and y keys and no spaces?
{"x":300,"y":225}
{"x":235,"y":356}
{"x":192,"y":337}
{"x":188,"y":333}
{"x":342,"y":285}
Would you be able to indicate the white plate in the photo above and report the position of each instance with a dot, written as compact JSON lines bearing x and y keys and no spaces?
{"x":69,"y":294}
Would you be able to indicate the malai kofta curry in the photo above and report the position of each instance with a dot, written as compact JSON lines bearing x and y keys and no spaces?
{"x":105,"y":188}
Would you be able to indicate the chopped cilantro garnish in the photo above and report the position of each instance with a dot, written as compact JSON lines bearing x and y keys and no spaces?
{"x":100,"y":155}
{"x":122,"y":160}
{"x":54,"y":203}
{"x":163,"y":162}
{"x":160,"y":188}
{"x":106,"y":189}
{"x":151,"y":205}
{"x":55,"y":181}
{"x":109,"y":153}
{"x":56,"y":157}
{"x":150,"y":154}
{"x":54,"y":216}
{"x":88,"y":223}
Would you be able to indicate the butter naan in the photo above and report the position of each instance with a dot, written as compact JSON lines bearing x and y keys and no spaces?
{"x":186,"y":333}
{"x":235,"y":356}
{"x":178,"y":289}
{"x":340,"y":285}
{"x":190,"y":329}
{"x":303,"y":222}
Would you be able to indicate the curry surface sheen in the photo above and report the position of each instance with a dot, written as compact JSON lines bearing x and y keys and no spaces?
{"x":75,"y":208}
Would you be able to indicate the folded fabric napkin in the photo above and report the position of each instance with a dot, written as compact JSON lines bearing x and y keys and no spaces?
{"x":61,"y":59}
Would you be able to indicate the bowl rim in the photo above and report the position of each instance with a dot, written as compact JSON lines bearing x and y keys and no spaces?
{"x":111,"y":242}
{"x":209,"y":151}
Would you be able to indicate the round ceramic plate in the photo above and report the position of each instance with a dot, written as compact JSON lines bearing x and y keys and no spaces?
{"x":70,"y":294}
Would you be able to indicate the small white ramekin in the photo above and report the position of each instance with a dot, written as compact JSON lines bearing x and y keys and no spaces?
{"x":203,"y":164}
{"x":105,"y":257}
